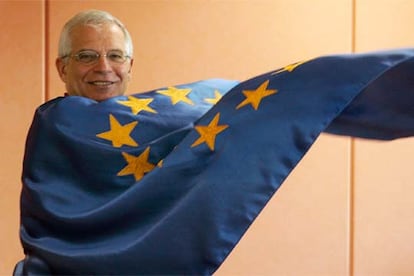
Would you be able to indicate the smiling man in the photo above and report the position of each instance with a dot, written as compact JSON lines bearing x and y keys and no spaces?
{"x":95,"y":56}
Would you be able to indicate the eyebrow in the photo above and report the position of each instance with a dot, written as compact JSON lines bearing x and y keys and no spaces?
{"x":93,"y":50}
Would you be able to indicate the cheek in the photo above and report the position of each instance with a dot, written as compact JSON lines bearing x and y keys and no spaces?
{"x":76,"y":72}
{"x":77,"y":75}
{"x":127,"y":71}
{"x":124,"y":74}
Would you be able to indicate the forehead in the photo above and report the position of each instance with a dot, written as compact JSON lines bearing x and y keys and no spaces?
{"x":97,"y":37}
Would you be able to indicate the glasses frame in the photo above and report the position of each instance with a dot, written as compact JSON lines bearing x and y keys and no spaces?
{"x":97,"y":57}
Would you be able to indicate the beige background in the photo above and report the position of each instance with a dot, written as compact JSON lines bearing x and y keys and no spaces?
{"x":345,"y":210}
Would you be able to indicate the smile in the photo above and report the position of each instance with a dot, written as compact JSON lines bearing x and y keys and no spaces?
{"x":101,"y":83}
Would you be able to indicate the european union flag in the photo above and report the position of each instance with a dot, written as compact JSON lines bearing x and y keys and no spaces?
{"x":168,"y":181}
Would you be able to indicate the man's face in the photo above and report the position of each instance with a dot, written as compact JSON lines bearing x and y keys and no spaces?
{"x":104,"y":78}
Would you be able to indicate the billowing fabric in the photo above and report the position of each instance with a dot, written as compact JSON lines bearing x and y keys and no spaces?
{"x":167,"y":182}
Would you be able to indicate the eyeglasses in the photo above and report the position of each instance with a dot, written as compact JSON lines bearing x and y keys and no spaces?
{"x":90,"y":57}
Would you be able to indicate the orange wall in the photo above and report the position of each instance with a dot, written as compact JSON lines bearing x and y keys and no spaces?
{"x":22,"y":89}
{"x":344,"y":210}
{"x":384,"y":175}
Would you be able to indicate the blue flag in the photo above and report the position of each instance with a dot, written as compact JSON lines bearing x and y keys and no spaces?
{"x":168,"y":181}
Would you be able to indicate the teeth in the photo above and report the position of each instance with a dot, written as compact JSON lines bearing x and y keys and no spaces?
{"x":103,"y":83}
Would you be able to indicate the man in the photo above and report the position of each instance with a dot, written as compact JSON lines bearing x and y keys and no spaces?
{"x":95,"y":56}
{"x":94,"y":61}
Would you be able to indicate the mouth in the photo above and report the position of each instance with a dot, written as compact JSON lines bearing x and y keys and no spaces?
{"x":101,"y":83}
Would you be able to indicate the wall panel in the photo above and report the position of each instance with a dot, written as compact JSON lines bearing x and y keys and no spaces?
{"x":384,"y":239}
{"x":384,"y":221}
{"x":21,"y":91}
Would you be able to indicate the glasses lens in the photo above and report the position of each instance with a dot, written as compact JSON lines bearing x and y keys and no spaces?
{"x":87,"y":56}
{"x":116,"y":56}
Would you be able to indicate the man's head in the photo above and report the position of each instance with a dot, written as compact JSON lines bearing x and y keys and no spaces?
{"x":95,"y":55}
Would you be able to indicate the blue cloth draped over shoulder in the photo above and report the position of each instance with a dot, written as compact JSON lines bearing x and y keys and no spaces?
{"x":168,"y":181}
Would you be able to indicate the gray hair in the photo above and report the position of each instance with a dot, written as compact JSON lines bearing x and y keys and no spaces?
{"x":90,"y":17}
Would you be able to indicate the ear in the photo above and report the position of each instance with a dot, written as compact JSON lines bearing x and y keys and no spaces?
{"x":130,"y":68}
{"x":61,"y":68}
{"x":130,"y":65}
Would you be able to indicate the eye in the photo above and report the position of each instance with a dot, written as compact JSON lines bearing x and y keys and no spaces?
{"x":87,"y":56}
{"x":116,"y":56}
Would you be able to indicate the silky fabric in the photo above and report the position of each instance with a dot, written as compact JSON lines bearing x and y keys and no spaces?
{"x":172,"y":187}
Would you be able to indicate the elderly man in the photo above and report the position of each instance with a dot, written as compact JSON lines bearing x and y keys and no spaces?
{"x":95,"y":56}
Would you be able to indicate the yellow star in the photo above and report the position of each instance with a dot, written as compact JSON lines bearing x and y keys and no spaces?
{"x":289,"y":67}
{"x":217,"y":97}
{"x":254,"y":97}
{"x":137,"y":165}
{"x":119,"y":134}
{"x":208,"y":133}
{"x":138,"y":105}
{"x":177,"y":95}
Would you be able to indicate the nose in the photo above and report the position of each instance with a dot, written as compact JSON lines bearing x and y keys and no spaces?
{"x":103,"y":65}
